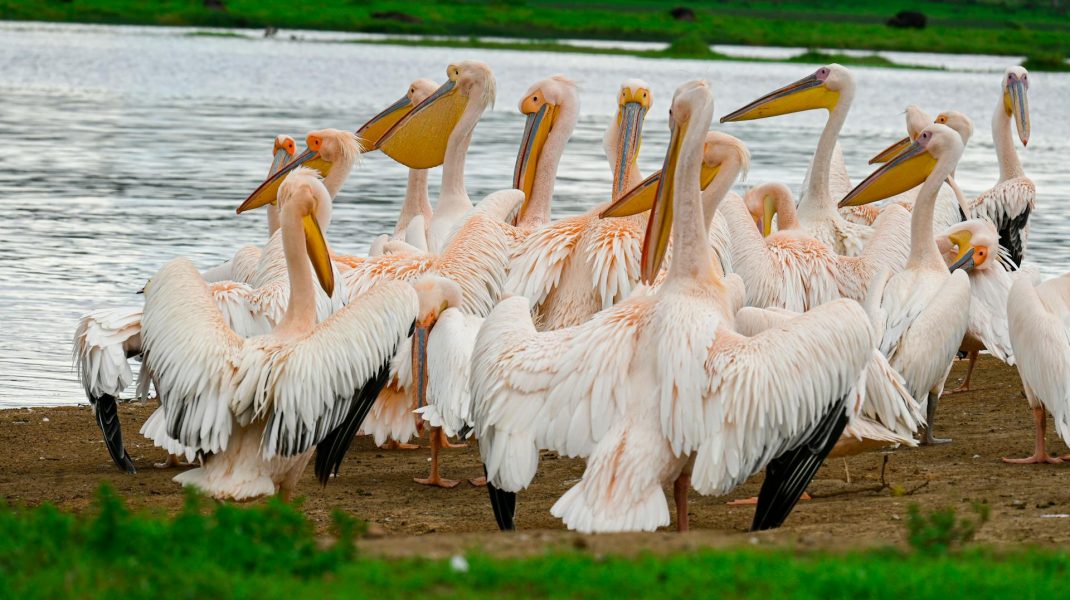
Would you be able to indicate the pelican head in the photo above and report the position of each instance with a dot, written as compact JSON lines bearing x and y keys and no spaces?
{"x":917,"y":120}
{"x":622,"y":141}
{"x":419,"y":139}
{"x":301,"y":198}
{"x":284,"y":149}
{"x":821,"y":89}
{"x":1015,"y":100}
{"x":718,"y":149}
{"x":541,"y":104}
{"x":910,"y":168}
{"x":435,"y":295}
{"x":325,"y":148}
{"x":372,"y":132}
{"x":957,"y":121}
{"x":762,"y":203}
{"x":691,"y":104}
{"x":969,"y":244}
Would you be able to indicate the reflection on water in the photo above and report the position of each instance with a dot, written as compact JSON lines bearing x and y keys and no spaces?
{"x":121,"y":148}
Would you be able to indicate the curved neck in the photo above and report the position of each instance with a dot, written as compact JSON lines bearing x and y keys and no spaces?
{"x":337,"y":176}
{"x":786,"y":217}
{"x":1009,"y":165}
{"x":416,"y":201}
{"x":818,"y":194}
{"x":300,"y":314}
{"x":692,"y":257}
{"x":453,"y":195}
{"x":542,"y":190}
{"x":923,"y":250}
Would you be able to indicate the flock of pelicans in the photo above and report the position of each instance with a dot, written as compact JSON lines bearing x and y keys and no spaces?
{"x":676,"y":333}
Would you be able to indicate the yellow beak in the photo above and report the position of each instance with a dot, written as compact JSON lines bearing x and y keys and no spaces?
{"x":536,"y":131}
{"x":658,"y":228}
{"x":1016,"y":103}
{"x":371,"y":133}
{"x":768,"y":211}
{"x":891,"y":151}
{"x":902,"y":173}
{"x":316,"y":246}
{"x":419,"y":139}
{"x":630,"y":120}
{"x":267,"y":192}
{"x":806,"y":94}
{"x":641,"y":197}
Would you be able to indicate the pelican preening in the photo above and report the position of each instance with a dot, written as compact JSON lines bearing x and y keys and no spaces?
{"x":670,"y":333}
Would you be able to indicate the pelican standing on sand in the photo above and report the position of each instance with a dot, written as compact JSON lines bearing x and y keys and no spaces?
{"x":832,"y":88}
{"x":973,"y":246}
{"x":258,"y":407}
{"x":659,"y":388}
{"x":922,"y":312}
{"x":1038,"y":315}
{"x":1009,"y":203}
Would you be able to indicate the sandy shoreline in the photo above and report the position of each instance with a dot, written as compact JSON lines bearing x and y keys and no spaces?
{"x":56,"y":455}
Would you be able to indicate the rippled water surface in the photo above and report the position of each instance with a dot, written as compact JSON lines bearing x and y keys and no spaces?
{"x":121,"y":148}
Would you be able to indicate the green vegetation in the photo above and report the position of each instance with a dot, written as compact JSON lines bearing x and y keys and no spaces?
{"x":1046,"y":62}
{"x":961,"y":26}
{"x":270,"y":551}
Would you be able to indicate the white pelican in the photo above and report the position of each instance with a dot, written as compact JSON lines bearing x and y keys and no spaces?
{"x":105,"y":340}
{"x":661,"y":383}
{"x":832,"y":88}
{"x":258,"y":406}
{"x":923,"y":311}
{"x":973,"y":245}
{"x":1038,"y":314}
{"x":950,"y":202}
{"x":792,"y":270}
{"x":416,"y":209}
{"x":438,"y":132}
{"x":1009,"y":203}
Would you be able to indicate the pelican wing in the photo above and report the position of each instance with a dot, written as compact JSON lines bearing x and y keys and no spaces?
{"x":886,"y":251}
{"x":538,"y":262}
{"x":558,"y":390}
{"x":1040,"y":336}
{"x":989,"y":289}
{"x":102,"y":342}
{"x":241,"y":268}
{"x":308,"y":388}
{"x":193,"y":355}
{"x":614,"y":250}
{"x":449,"y":359}
{"x":765,"y":394}
{"x":1008,"y":204}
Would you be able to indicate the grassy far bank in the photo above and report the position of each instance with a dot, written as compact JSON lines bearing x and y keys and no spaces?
{"x":957,"y":26}
{"x":270,"y":551}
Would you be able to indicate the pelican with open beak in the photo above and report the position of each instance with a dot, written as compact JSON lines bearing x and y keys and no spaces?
{"x":325,"y":150}
{"x":927,"y":305}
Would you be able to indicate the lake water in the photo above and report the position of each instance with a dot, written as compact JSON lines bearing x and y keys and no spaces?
{"x":123,"y":147}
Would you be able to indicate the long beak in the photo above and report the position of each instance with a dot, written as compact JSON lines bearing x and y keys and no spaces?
{"x":659,"y":226}
{"x":900,"y":174}
{"x":641,"y":197}
{"x":891,"y":151}
{"x":267,"y":192}
{"x":536,"y":131}
{"x":805,"y":94}
{"x":418,"y":140}
{"x":419,"y":358}
{"x":630,"y":128}
{"x":1017,"y":103}
{"x":964,"y":260}
{"x":279,"y":161}
{"x":371,"y":133}
{"x":316,"y":246}
{"x":768,"y":210}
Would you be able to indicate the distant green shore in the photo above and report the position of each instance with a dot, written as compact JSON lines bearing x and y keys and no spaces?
{"x":1040,"y":30}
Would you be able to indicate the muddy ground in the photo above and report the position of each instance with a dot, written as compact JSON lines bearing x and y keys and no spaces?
{"x":56,"y":455}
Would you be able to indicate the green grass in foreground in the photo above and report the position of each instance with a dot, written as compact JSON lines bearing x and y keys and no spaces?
{"x":270,"y":551}
{"x":975,"y":26}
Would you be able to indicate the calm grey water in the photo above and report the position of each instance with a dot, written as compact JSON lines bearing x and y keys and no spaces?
{"x":121,"y":148}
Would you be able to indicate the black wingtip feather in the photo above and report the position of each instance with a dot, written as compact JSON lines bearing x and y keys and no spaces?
{"x":503,"y":504}
{"x":332,"y":449}
{"x":787,"y":475}
{"x":107,"y":413}
{"x":1011,"y":234}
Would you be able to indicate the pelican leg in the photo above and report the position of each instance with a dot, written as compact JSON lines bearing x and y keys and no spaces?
{"x":435,"y":478}
{"x":444,"y":440}
{"x":679,"y":493}
{"x":393,"y":444}
{"x":1040,"y":452}
{"x":965,"y":386}
{"x":930,"y":415}
{"x":172,"y":461}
